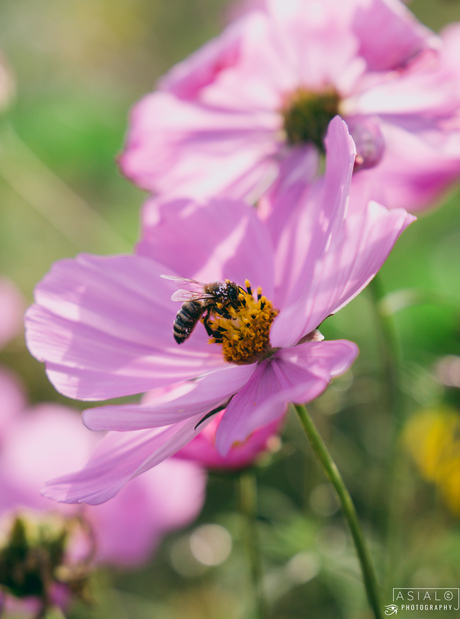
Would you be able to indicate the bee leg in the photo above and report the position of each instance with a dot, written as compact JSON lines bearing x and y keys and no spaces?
{"x":207,"y":326}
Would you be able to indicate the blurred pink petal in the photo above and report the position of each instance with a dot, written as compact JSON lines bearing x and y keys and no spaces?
{"x":182,"y":150}
{"x":202,"y":448}
{"x":450,"y":36}
{"x":418,"y":171}
{"x":389,"y":34}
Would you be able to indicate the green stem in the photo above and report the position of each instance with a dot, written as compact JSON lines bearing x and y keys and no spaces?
{"x":389,"y":347}
{"x":391,"y":354}
{"x":332,"y":472}
{"x":247,"y":492}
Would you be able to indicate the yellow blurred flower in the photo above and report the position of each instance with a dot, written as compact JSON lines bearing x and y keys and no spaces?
{"x":432,"y":438}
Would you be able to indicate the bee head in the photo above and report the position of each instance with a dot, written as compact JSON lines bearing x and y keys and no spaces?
{"x":232,"y":292}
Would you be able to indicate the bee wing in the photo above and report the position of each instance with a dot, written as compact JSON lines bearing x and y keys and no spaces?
{"x":189,"y":295}
{"x":194,"y":292}
{"x":178,"y":278}
{"x":191,"y":283}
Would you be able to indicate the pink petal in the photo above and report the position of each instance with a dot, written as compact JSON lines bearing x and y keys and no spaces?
{"x":297,"y":172}
{"x":450,"y":36}
{"x":43,"y":442}
{"x":368,"y":240}
{"x":177,"y":404}
{"x":354,"y":256}
{"x":297,"y":375}
{"x":317,"y":39}
{"x":318,"y":213}
{"x":187,"y":78}
{"x":265,"y":71}
{"x":103,"y":325}
{"x":222,"y":239}
{"x":428,"y":90}
{"x":50,"y":439}
{"x":389,"y":35}
{"x":120,"y":457}
{"x":419,"y":164}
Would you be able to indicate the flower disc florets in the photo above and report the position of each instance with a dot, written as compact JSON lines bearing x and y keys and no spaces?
{"x":306,"y":115}
{"x":243,"y":327}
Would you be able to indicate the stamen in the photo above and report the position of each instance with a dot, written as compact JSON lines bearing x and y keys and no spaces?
{"x":243,"y":328}
{"x":306,"y":115}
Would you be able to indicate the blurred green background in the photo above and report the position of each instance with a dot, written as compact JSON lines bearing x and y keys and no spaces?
{"x":78,"y":66}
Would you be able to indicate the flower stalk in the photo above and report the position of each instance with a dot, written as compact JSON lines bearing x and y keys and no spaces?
{"x":247,"y":494}
{"x":389,"y":348}
{"x":332,"y":472}
{"x":390,"y":352}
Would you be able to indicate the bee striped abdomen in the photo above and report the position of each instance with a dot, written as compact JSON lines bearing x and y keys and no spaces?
{"x":186,"y":320}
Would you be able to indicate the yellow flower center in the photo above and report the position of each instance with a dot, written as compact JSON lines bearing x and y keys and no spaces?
{"x":306,"y":115}
{"x":243,"y":327}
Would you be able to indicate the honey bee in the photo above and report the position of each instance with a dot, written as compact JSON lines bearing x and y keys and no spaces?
{"x":201,"y":299}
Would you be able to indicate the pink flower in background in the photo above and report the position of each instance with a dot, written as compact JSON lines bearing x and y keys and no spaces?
{"x":49,"y":440}
{"x":254,"y":104}
{"x":103,"y":325}
{"x":202,"y":449}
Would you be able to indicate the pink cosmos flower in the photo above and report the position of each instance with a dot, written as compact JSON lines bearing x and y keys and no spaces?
{"x":103,"y":325}
{"x":49,"y":440}
{"x":254,"y":104}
